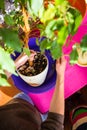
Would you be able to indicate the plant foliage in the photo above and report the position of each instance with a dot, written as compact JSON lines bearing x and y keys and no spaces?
{"x":58,"y":19}
{"x":74,"y":53}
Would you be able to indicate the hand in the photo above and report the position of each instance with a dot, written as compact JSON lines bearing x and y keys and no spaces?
{"x":60,"y":66}
{"x":22,"y":58}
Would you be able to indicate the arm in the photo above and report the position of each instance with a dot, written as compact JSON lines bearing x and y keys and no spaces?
{"x":56,"y":111}
{"x":57,"y":103}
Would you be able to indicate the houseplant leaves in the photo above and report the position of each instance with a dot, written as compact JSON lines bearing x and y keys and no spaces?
{"x":6,"y":63}
{"x":11,"y":39}
{"x":34,"y":6}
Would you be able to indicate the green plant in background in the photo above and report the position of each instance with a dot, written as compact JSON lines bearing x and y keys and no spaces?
{"x":58,"y":20}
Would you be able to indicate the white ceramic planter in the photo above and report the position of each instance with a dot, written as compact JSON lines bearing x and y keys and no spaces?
{"x":36,"y":80}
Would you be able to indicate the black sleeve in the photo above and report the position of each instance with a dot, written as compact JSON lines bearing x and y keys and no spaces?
{"x":54,"y":122}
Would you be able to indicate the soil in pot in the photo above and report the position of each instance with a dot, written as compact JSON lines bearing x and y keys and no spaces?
{"x":34,"y":67}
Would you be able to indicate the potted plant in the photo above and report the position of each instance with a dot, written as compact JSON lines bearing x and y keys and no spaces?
{"x":57,"y":20}
{"x":35,"y":69}
{"x":18,"y":20}
{"x":78,"y":54}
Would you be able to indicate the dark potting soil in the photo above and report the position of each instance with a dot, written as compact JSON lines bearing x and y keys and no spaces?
{"x":37,"y":66}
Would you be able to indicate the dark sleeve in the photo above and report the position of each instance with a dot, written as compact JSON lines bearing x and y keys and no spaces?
{"x":54,"y":122}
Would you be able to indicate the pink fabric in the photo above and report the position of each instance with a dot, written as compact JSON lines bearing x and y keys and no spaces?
{"x":75,"y":76}
{"x":42,"y":100}
{"x":75,"y":79}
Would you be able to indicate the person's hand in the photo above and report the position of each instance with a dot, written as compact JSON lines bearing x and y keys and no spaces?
{"x":60,"y":66}
{"x":22,"y":58}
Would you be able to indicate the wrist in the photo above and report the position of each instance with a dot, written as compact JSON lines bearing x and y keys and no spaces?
{"x":60,"y":77}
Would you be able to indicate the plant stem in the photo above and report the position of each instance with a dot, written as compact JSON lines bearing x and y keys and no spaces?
{"x":26,"y":27}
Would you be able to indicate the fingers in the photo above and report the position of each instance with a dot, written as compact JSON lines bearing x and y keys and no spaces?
{"x":60,"y":66}
{"x":61,"y":60}
{"x":20,"y":60}
{"x":32,"y":51}
{"x":31,"y":57}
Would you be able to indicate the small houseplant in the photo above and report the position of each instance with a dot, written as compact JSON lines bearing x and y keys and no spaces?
{"x":56,"y":22}
{"x":78,"y":54}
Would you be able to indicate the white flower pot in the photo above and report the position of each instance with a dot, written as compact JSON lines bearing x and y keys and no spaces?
{"x":36,"y":80}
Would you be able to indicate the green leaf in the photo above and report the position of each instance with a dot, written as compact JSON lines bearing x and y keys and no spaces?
{"x":62,"y":35}
{"x":27,"y":51}
{"x":83,"y":43}
{"x":73,"y":56}
{"x":41,"y":12}
{"x":49,"y":29}
{"x":1,"y":4}
{"x":59,"y":2}
{"x":37,"y":41}
{"x":70,"y":17}
{"x":48,"y":14}
{"x":11,"y":39}
{"x":9,"y":20}
{"x":1,"y":71}
{"x":6,"y":62}
{"x":4,"y":82}
{"x":60,"y":23}
{"x":3,"y":76}
{"x":78,"y":21}
{"x":77,"y":17}
{"x":35,"y":5}
{"x":23,"y":1}
{"x":45,"y":44}
{"x":70,"y":20}
{"x":56,"y":50}
{"x":51,"y":24}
